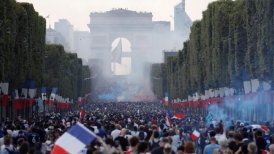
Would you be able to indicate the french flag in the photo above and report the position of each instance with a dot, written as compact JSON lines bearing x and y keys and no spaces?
{"x":52,"y":95}
{"x":44,"y":93}
{"x":74,"y":140}
{"x":195,"y":135}
{"x":17,"y":102}
{"x":32,"y":92}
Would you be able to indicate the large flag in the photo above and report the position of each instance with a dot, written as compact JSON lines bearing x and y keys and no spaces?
{"x":4,"y":87}
{"x":247,"y":87}
{"x":74,"y":140}
{"x":32,"y":89}
{"x":24,"y":92}
{"x":44,"y":93}
{"x":222,"y":91}
{"x":211,"y":93}
{"x":255,"y":84}
{"x":17,"y":102}
{"x":117,"y":53}
{"x":266,"y":86}
{"x":53,"y":93}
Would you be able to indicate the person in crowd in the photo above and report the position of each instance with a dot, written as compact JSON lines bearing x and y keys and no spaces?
{"x":223,"y":147}
{"x":154,"y":140}
{"x":143,"y":148}
{"x":209,"y":149}
{"x":271,"y":146}
{"x":122,"y":140}
{"x":8,"y":147}
{"x":237,"y":143}
{"x":134,"y":141}
{"x":260,"y":141}
{"x":180,"y":150}
{"x":160,"y":150}
{"x":116,"y":132}
{"x":189,"y":148}
{"x":252,"y":148}
{"x":24,"y":148}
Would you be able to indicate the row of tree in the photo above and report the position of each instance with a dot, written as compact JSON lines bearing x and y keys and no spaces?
{"x":24,"y":55}
{"x":233,"y":42}
{"x":65,"y":71}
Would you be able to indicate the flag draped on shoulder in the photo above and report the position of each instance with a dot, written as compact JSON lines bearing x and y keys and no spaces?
{"x":117,"y":53}
{"x":74,"y":140}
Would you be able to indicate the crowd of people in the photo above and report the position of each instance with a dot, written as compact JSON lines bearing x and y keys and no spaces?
{"x":135,"y":128}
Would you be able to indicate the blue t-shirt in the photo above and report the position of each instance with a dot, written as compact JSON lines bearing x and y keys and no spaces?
{"x":209,"y":149}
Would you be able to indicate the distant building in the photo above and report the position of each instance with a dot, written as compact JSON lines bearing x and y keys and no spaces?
{"x":182,"y":22}
{"x":64,"y":27}
{"x":53,"y":37}
{"x":81,"y":43}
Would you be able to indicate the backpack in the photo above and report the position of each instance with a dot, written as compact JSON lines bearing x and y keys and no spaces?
{"x":141,"y":135}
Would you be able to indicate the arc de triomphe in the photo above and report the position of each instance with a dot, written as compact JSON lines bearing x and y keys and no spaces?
{"x":137,"y":28}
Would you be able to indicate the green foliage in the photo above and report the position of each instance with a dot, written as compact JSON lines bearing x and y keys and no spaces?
{"x":23,"y":54}
{"x":232,"y":36}
{"x":65,"y":71}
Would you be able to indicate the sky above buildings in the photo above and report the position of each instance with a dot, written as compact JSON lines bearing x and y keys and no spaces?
{"x":77,"y":11}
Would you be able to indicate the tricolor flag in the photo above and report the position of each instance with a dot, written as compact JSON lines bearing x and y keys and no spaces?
{"x":195,"y":135}
{"x":24,"y":92}
{"x":32,"y":89}
{"x":53,"y":93}
{"x":44,"y":93}
{"x":168,"y":120}
{"x":74,"y":140}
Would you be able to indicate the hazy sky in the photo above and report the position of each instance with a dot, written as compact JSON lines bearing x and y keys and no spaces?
{"x":77,"y":11}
